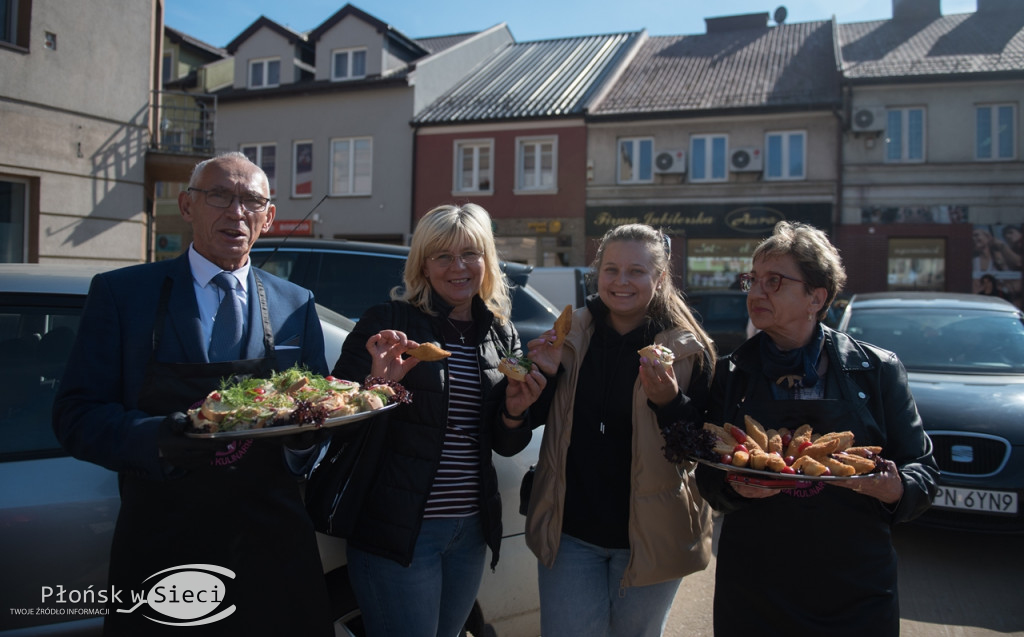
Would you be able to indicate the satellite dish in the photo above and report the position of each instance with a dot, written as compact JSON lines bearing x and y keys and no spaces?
{"x":780,"y":15}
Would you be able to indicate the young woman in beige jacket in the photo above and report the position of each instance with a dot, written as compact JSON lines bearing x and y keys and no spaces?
{"x":615,"y":526}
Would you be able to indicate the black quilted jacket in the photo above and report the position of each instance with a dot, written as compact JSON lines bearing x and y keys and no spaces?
{"x":407,"y":445}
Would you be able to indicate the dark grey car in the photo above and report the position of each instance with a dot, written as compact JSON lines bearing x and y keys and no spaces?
{"x":964,"y":355}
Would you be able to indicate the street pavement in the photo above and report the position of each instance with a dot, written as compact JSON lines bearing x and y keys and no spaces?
{"x":952,"y":584}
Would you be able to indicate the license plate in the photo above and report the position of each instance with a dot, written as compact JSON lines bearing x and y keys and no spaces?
{"x":980,"y":500}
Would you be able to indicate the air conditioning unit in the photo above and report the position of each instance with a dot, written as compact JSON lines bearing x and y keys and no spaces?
{"x":746,"y":160}
{"x":868,"y":119}
{"x":670,"y":161}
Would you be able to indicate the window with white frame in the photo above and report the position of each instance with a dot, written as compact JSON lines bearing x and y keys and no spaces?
{"x":536,"y":164}
{"x":13,"y":220}
{"x":904,"y":135}
{"x":352,"y":166}
{"x":636,"y":160}
{"x":302,"y":168}
{"x":265,"y":73}
{"x":708,"y":158}
{"x":473,"y":169}
{"x":348,"y":64}
{"x":264,"y":156}
{"x":785,"y":154}
{"x":996,"y":132}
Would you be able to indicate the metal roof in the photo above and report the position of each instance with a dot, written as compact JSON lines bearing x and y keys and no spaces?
{"x":546,"y":78}
{"x":971,"y":43}
{"x":790,"y":65}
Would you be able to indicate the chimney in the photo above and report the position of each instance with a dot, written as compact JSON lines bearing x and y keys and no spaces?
{"x":916,"y":10}
{"x":737,"y":22}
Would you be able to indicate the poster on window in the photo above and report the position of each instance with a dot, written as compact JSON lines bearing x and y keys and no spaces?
{"x":996,"y":262}
{"x":302,"y":184}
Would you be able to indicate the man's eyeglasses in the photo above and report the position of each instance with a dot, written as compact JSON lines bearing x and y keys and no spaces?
{"x":467,"y":258}
{"x":223,"y":199}
{"x":770,"y":283}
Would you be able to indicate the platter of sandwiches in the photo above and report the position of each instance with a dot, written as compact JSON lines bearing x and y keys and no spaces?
{"x":289,"y":402}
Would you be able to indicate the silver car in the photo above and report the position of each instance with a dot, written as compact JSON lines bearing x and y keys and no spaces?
{"x":57,"y":513}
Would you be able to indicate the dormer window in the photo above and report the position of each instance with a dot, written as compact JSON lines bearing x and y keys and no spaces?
{"x":264,"y":73}
{"x":348,"y":64}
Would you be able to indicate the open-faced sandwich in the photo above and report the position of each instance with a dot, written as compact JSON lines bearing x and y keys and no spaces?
{"x":658,"y":354}
{"x":515,"y":367}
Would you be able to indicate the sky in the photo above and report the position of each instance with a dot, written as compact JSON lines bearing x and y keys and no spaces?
{"x":218,"y":22}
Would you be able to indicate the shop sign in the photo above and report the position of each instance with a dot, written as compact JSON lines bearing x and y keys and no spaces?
{"x":710,"y":220}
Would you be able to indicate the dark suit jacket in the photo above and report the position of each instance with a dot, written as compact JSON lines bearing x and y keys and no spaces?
{"x":96,"y":415}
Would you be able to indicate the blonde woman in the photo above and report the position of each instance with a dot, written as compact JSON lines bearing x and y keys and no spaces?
{"x":614,"y":525}
{"x":417,"y":545}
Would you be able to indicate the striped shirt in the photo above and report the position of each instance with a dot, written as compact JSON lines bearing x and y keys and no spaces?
{"x":456,"y":489}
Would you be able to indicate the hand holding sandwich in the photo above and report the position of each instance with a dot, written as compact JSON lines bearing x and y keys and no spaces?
{"x":657,"y":376}
{"x":386,"y":348}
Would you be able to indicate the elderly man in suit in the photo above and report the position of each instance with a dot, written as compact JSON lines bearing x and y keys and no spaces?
{"x":154,"y":339}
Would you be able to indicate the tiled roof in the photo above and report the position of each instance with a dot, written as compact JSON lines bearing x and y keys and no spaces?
{"x":792,"y":65}
{"x":982,"y":42}
{"x":546,"y":78}
{"x":442,"y":42}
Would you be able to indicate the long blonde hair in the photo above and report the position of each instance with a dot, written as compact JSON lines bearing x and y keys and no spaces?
{"x":444,"y":229}
{"x":667,"y":306}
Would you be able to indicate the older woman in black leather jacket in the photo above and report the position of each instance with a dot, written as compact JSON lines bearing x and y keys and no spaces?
{"x":815,"y":559}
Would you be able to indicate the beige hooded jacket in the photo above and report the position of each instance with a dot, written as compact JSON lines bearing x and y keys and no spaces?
{"x":669,"y":522}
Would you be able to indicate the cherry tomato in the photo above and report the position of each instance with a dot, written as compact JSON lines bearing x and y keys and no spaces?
{"x":260,"y":391}
{"x":788,"y":469}
{"x":258,"y":399}
{"x":740,"y":448}
{"x":828,"y":472}
{"x":789,"y":460}
{"x":726,"y":458}
{"x":330,"y":378}
{"x":804,"y":445}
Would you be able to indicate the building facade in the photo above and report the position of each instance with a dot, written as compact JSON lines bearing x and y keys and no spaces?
{"x":933,"y":181}
{"x":327,"y":114}
{"x":73,"y":156}
{"x":713,"y":138}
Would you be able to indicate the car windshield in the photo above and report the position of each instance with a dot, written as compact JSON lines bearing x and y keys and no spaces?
{"x":944,"y":340}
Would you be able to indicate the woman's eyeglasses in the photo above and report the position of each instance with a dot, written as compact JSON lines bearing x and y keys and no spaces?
{"x":770,"y":283}
{"x":224,"y":198}
{"x":467,"y":258}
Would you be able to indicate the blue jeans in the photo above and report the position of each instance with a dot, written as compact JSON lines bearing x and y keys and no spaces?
{"x":581,"y":595}
{"x":434,"y":595}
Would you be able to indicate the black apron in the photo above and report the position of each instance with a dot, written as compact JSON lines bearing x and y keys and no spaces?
{"x":243,"y":512}
{"x":809,"y":561}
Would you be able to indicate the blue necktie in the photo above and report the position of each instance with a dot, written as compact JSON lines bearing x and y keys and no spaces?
{"x":226,"y":340}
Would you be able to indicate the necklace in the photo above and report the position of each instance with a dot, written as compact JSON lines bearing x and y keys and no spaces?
{"x":462,"y":335}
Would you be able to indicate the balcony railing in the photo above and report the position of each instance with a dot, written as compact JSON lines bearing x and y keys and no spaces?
{"x":184,"y":122}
